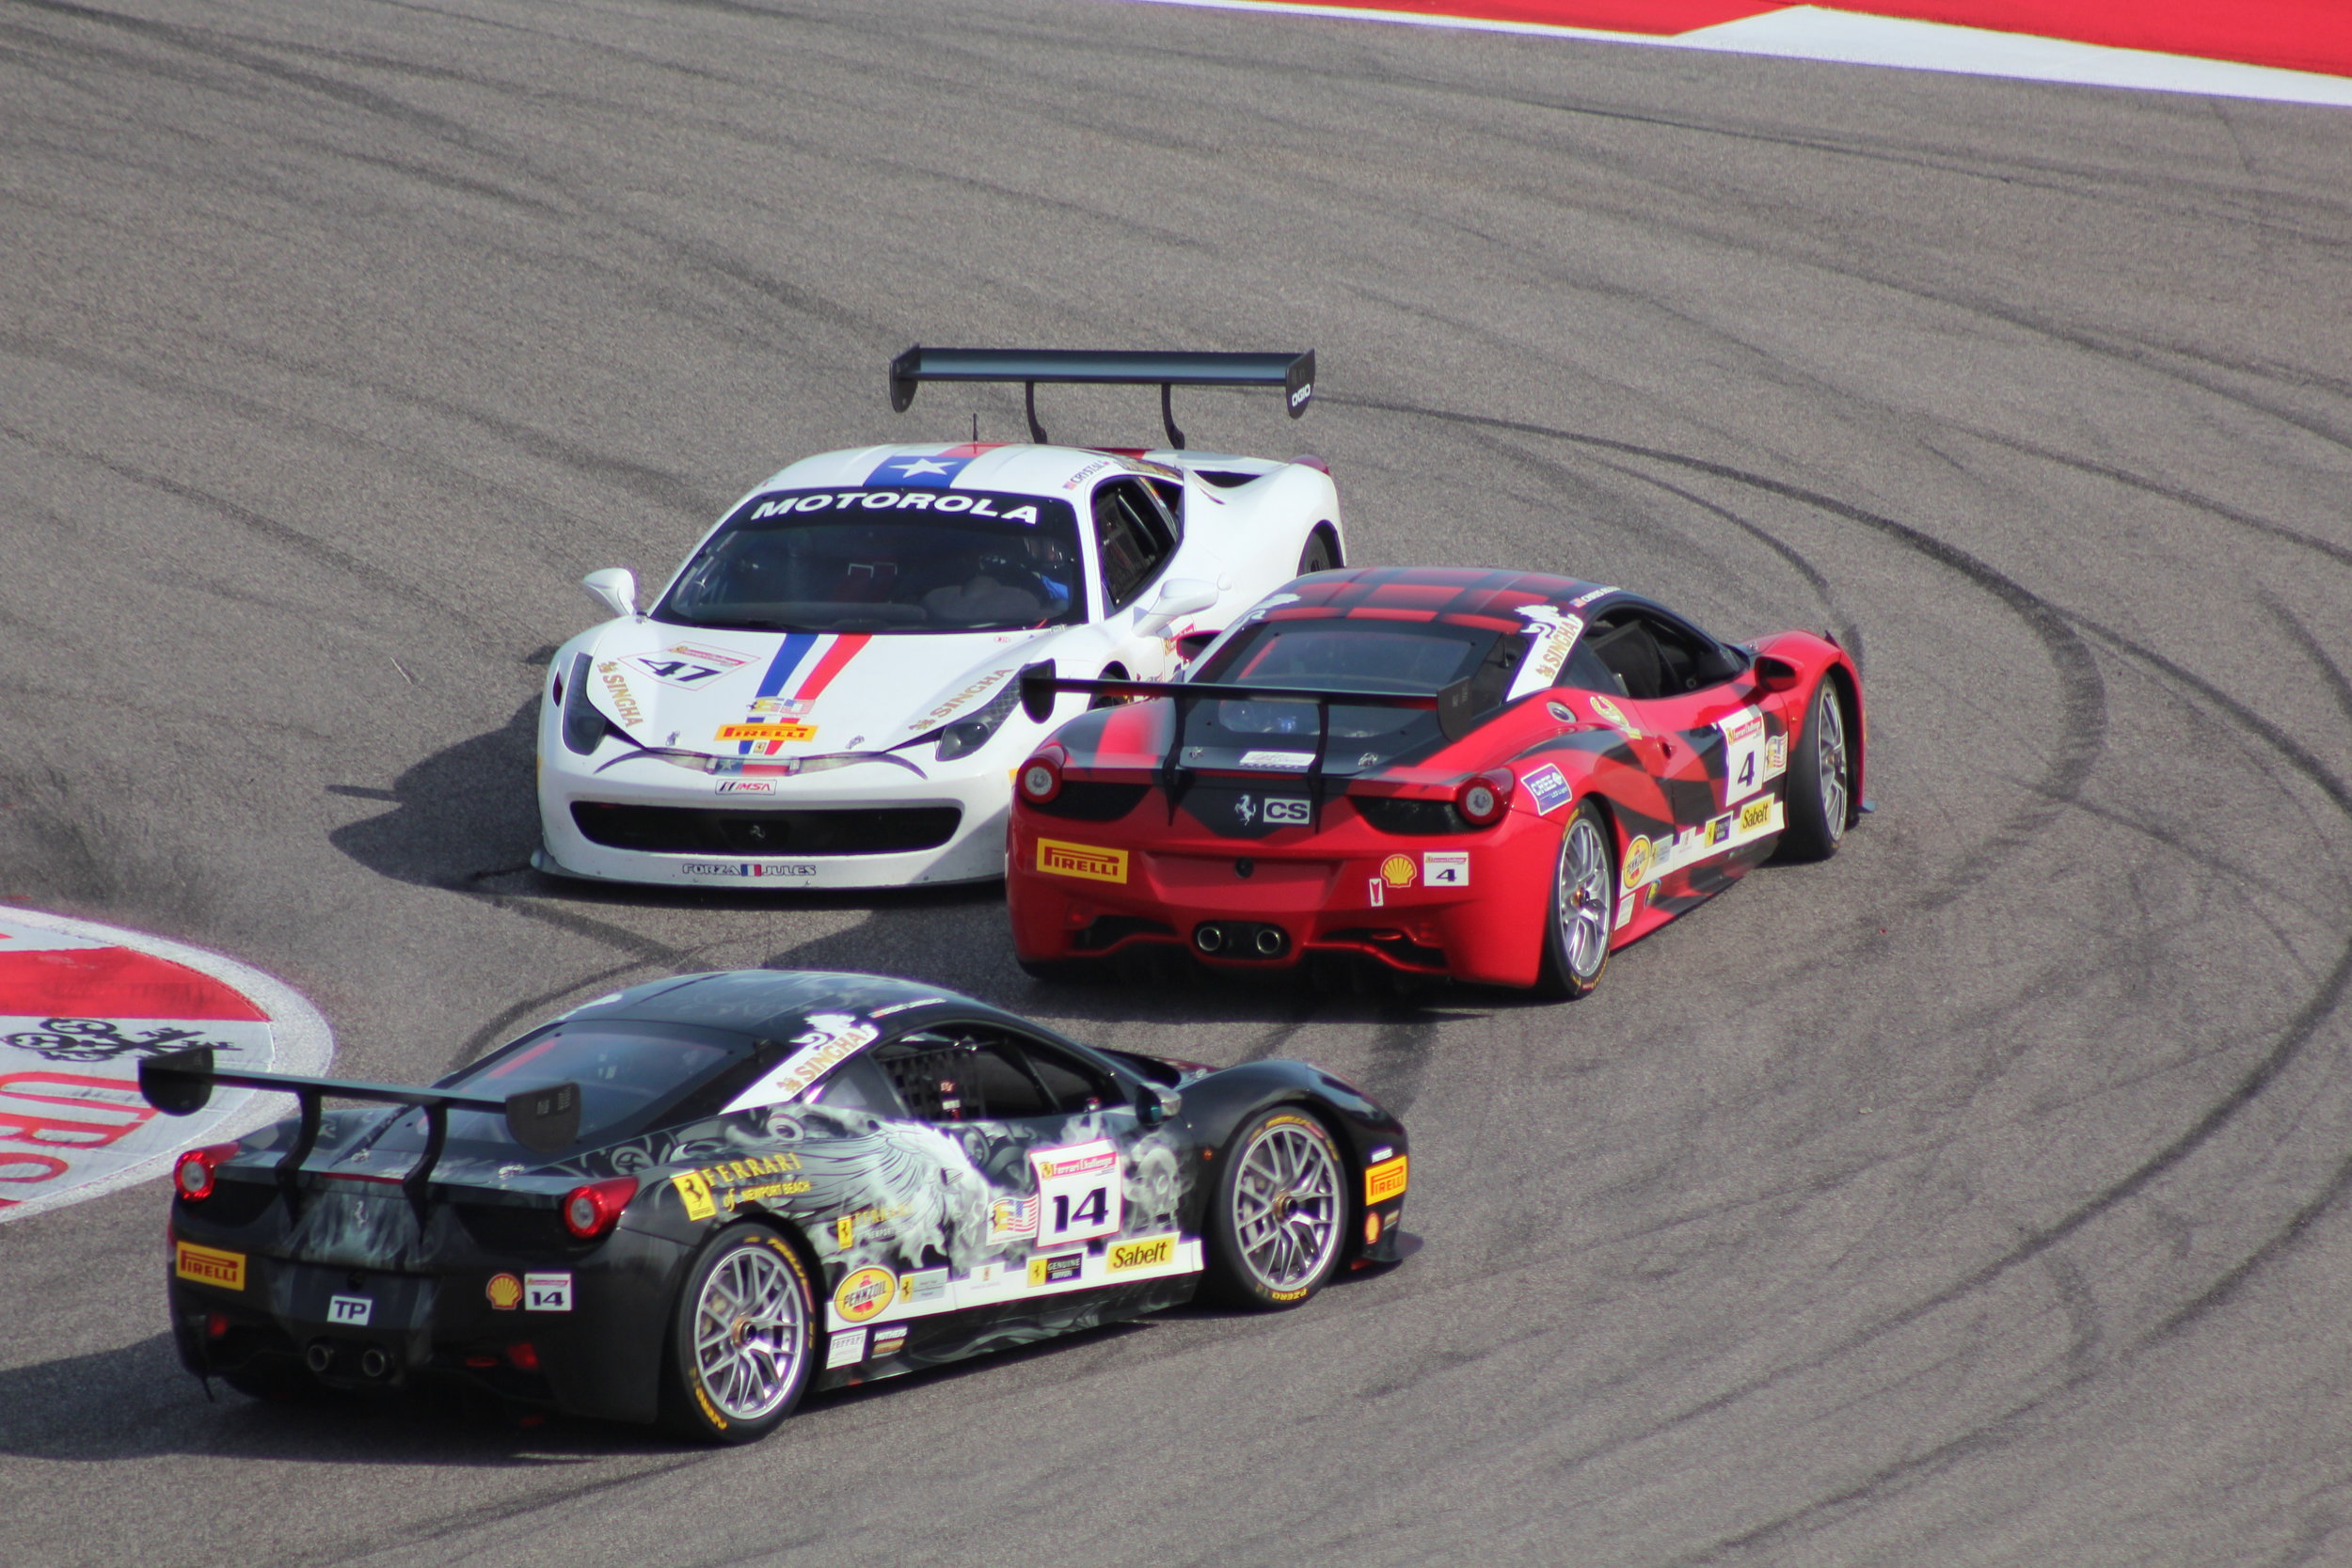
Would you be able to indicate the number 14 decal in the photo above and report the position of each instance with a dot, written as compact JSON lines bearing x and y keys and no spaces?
{"x":1079,"y":1191}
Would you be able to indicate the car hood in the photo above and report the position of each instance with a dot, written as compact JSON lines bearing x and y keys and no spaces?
{"x":713,"y":697}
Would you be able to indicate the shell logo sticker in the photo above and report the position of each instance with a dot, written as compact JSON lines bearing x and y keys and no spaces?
{"x":865,"y":1293}
{"x":1637,"y":861}
{"x":1399,"y":870}
{"x":505,"y":1292}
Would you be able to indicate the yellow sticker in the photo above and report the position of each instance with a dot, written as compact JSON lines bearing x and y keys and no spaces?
{"x":867,"y":1291}
{"x":1755,"y":815}
{"x":1150,"y":1252}
{"x":505,"y":1292}
{"x":1384,"y":1180}
{"x":766,"y":732}
{"x":693,"y":1189}
{"x":1081,"y":860}
{"x":209,"y":1265}
{"x":1637,"y":859}
{"x":1399,"y":870}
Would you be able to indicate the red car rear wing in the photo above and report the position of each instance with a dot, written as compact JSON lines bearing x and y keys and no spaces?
{"x":1040,"y":686}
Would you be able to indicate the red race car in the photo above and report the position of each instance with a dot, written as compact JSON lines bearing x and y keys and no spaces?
{"x":1496,"y":776}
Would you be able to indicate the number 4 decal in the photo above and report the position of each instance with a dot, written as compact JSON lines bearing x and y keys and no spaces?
{"x":1743,"y":755}
{"x":1079,"y":1191}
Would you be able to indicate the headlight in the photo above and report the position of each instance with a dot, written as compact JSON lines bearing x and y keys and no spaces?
{"x":583,"y":726}
{"x":966,"y":735}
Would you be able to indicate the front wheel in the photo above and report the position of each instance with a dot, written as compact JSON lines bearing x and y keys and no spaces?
{"x":1820,"y":779}
{"x":1280,"y":1212}
{"x":742,"y":1338}
{"x":1584,"y":912}
{"x":1321,"y":554}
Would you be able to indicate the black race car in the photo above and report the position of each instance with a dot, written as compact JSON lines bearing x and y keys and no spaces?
{"x":696,"y":1199}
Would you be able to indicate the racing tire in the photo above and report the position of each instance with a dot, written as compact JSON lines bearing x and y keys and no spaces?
{"x":1280,"y":1214}
{"x":1819,"y":803}
{"x":1582,"y":915}
{"x":1321,"y":554}
{"x":742,"y":1338}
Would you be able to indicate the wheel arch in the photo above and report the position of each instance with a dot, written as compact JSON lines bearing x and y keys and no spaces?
{"x":1849,"y":687}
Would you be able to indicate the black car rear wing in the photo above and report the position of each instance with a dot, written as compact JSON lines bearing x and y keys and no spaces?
{"x":179,"y":1082}
{"x":1294,"y":372}
{"x":1040,"y":686}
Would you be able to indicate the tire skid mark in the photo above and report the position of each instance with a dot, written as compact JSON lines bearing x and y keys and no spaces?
{"x":2321,"y":1006}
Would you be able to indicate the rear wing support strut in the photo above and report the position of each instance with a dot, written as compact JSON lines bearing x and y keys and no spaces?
{"x":1294,"y":372}
{"x":1040,"y":686}
{"x":179,"y":1082}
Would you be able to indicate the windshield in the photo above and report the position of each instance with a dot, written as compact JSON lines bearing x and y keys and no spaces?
{"x":1340,"y":655}
{"x":627,"y":1073}
{"x":884,"y":560}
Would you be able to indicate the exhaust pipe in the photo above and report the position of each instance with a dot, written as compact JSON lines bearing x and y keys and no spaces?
{"x":319,"y":1356}
{"x":374,"y":1363}
{"x":1209,"y":938}
{"x":1271,"y":941}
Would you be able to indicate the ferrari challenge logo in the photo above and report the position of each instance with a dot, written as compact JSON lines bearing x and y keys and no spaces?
{"x":1081,"y":860}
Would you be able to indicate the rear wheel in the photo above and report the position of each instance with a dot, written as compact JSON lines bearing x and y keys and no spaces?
{"x":1321,"y":554}
{"x":1584,"y":913}
{"x":1280,"y":1212}
{"x":742,"y":1338}
{"x":1820,"y":779}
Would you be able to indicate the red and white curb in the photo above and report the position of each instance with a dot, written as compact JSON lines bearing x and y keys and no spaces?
{"x":1852,"y":37}
{"x":80,"y":1005}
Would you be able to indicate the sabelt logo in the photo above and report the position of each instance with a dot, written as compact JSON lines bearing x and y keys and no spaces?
{"x":209,"y":1265}
{"x":768,"y":732}
{"x":1755,"y":815}
{"x":867,"y":1291}
{"x":1086,"y":860}
{"x":1384,"y":1180}
{"x":1150,"y":1252}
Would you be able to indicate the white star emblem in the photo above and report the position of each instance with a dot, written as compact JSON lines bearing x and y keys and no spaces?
{"x":910,"y":467}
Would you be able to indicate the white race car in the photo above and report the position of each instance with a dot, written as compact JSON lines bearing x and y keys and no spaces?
{"x":824,"y":695}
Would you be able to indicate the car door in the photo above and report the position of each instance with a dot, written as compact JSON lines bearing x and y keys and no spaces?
{"x":1079,"y":1195}
{"x":1136,"y":540}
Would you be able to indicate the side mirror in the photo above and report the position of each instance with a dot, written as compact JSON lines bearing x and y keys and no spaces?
{"x":1177,"y":596}
{"x":1775,"y":674}
{"x":615,"y":588}
{"x":1194,"y":644}
{"x":1154,"y":1104}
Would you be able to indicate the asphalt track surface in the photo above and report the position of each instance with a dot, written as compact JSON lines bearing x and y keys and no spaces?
{"x":1974,"y":1198}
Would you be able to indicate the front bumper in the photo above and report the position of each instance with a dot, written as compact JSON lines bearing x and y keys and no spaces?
{"x":1088,"y":890}
{"x":974,"y":850}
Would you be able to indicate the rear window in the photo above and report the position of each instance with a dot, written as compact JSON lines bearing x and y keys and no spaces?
{"x":630,"y":1077}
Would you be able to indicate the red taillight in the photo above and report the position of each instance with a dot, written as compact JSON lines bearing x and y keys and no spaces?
{"x":1041,"y":776}
{"x":215,"y":1325}
{"x":1483,"y":797}
{"x":192,"y":1177}
{"x":589,"y":1212}
{"x":524,"y":1355}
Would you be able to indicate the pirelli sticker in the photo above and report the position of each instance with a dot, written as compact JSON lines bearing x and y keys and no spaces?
{"x":209,"y":1265}
{"x":1384,"y":1180}
{"x":772,"y":731}
{"x":1083,"y":861}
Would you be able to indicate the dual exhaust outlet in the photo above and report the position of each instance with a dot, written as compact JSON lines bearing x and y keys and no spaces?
{"x":1240,"y":939}
{"x":375,"y":1362}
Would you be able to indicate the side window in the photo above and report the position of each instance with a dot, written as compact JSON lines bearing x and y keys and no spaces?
{"x":973,"y":1072}
{"x":1623,"y":647}
{"x":859,"y":1085}
{"x":1132,"y":538}
{"x":1170,"y":496}
{"x":1586,"y":673}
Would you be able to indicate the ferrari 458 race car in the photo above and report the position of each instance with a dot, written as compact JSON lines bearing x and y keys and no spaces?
{"x":822,"y":696}
{"x":700,"y":1197}
{"x":1495,"y":776}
